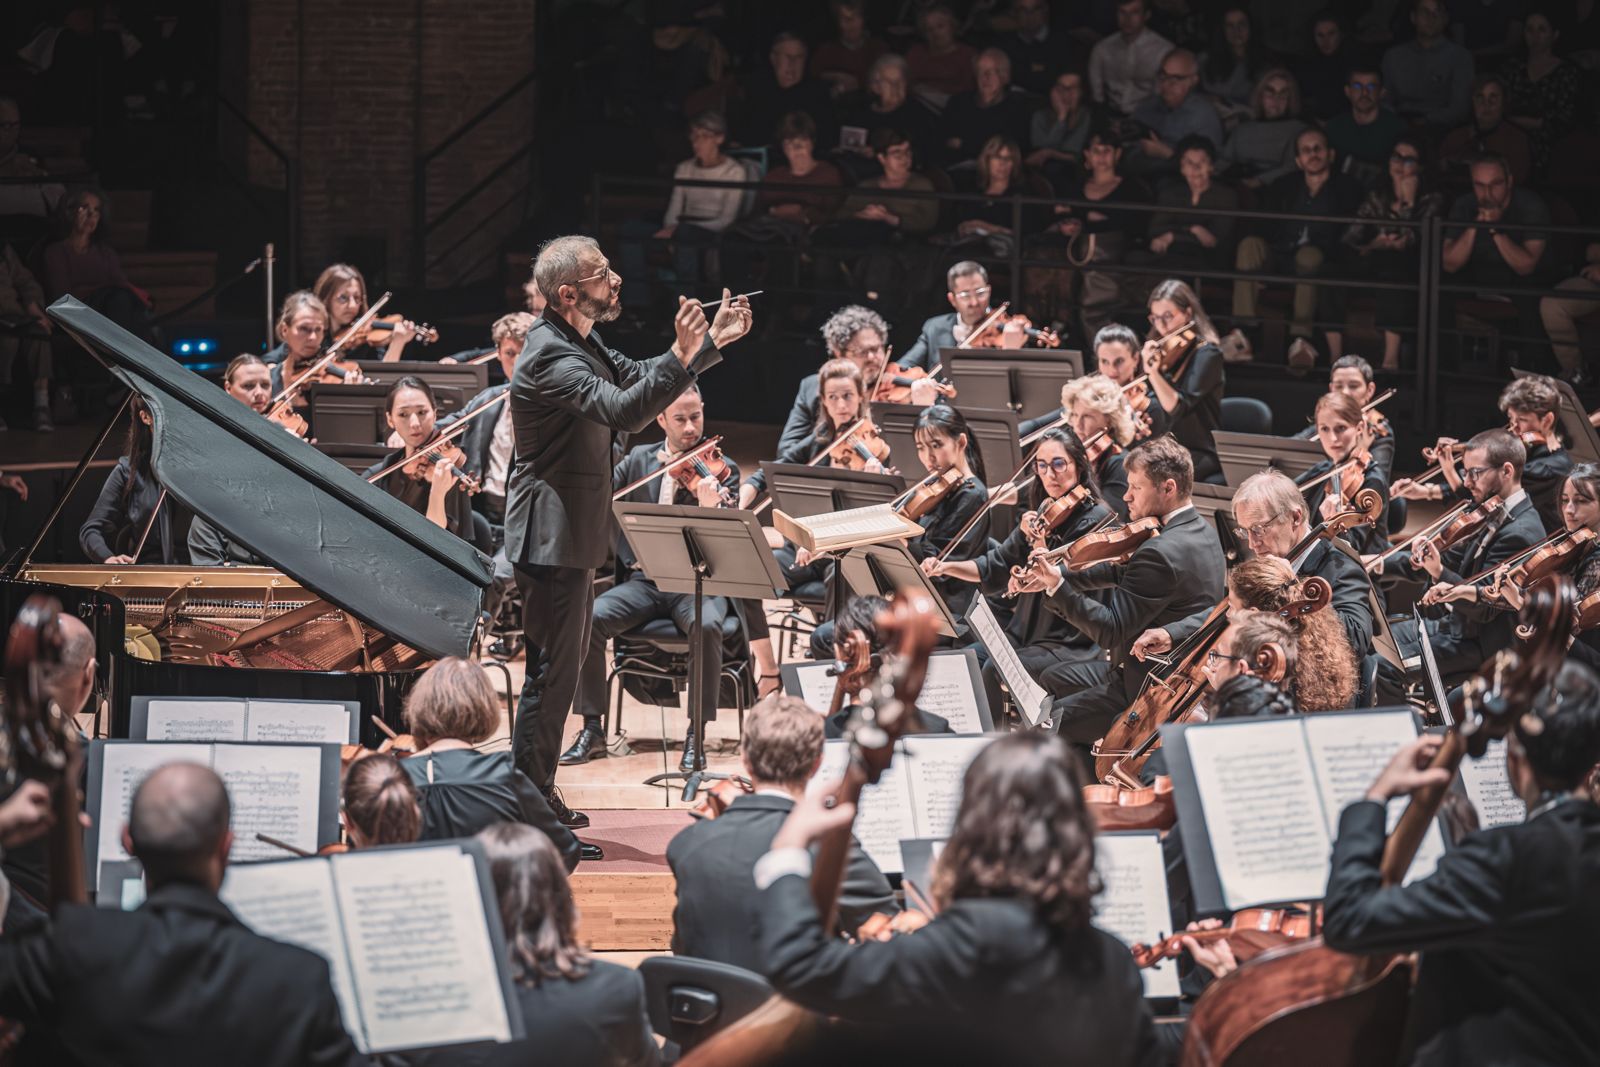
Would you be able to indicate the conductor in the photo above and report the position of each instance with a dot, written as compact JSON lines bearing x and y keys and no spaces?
{"x":570,"y":396}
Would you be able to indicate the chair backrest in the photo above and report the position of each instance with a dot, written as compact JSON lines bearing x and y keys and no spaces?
{"x":754,"y":162}
{"x":689,"y":1000}
{"x":1245,"y":414}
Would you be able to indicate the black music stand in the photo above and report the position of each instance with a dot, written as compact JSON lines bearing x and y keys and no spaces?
{"x":896,"y":423}
{"x":466,"y":378}
{"x":355,"y":413}
{"x":1026,"y":381}
{"x":1215,"y":502}
{"x":800,"y":492}
{"x":1244,"y":454}
{"x":887,"y":569}
{"x":699,"y":551}
{"x":1582,"y":441}
{"x":1433,"y":687}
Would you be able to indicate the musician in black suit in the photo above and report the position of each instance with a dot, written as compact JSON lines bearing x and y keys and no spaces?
{"x":1169,"y":577}
{"x":1352,"y":376}
{"x":570,"y":396}
{"x":1011,"y":970}
{"x":968,"y":290}
{"x":180,"y":980}
{"x":1503,"y":920}
{"x":576,"y":1009}
{"x":1471,"y":630}
{"x":711,"y":859}
{"x":1189,"y":392}
{"x":634,"y":599}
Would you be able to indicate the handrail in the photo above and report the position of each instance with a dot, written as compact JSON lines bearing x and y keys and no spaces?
{"x":479,"y":116}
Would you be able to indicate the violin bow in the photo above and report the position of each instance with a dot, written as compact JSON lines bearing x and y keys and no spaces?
{"x":330,"y":355}
{"x":1427,"y":531}
{"x":1000,"y":490}
{"x":456,"y":429}
{"x":155,"y":513}
{"x":983,"y":327}
{"x":690,"y":456}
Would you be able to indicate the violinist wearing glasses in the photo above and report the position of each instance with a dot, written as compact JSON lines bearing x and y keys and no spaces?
{"x":433,"y":483}
{"x":968,"y":290}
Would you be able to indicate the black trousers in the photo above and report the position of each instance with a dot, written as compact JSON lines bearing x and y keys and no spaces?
{"x":633,"y":603}
{"x":1457,"y":653}
{"x":556,"y":612}
{"x":1089,"y":696}
{"x":1037,"y":660}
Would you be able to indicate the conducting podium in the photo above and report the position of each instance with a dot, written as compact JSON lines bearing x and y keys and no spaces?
{"x":702,"y":552}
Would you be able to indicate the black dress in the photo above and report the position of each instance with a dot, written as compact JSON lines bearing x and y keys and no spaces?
{"x":413,"y":493}
{"x":120,"y":515}
{"x":941,"y":525}
{"x":463,"y":791}
{"x":1199,"y":410}
{"x":1365,"y":539}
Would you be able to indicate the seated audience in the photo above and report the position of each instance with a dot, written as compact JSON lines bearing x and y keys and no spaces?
{"x":844,"y":63}
{"x":576,"y":1009}
{"x":1011,"y":970}
{"x":381,"y":806}
{"x":37,"y":199}
{"x":696,"y":216}
{"x":1561,"y":315}
{"x":1175,"y":112}
{"x":1260,"y":150}
{"x":940,"y":65}
{"x":1489,"y":133}
{"x":1544,"y":91}
{"x":797,"y":135}
{"x":1364,"y":134}
{"x":781,"y":89}
{"x":1038,"y":51}
{"x":892,"y":107}
{"x":1323,"y":70}
{"x":82,"y":263}
{"x":22,"y":310}
{"x":1389,"y":252}
{"x":1184,"y":241}
{"x":1235,"y":60}
{"x":1123,"y":66}
{"x":1429,"y":77}
{"x":1497,"y":253}
{"x":450,"y":710}
{"x":991,"y":109}
{"x":998,"y":177}
{"x":712,"y":860}
{"x":1059,"y":131}
{"x":871,"y":215}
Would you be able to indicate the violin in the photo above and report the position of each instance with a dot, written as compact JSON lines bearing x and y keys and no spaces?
{"x":1467,"y":524}
{"x":1137,"y":396}
{"x":421,"y":464}
{"x":1354,"y":473}
{"x":1115,"y":807}
{"x":1109,"y":546}
{"x":1586,"y":612}
{"x":1020,"y":328}
{"x":1250,"y":932}
{"x":857,"y":447}
{"x":290,"y":420}
{"x":1175,"y":348}
{"x":379,"y":331}
{"x":916,"y":502}
{"x":1098,"y":445}
{"x":704,"y":461}
{"x":895,"y":387}
{"x":1557,"y":554}
{"x":1053,"y":513}
{"x":720,"y":794}
{"x":1376,"y":423}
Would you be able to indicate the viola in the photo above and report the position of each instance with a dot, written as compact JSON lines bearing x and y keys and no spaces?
{"x":916,"y":502}
{"x":1250,"y":932}
{"x":858,"y":446}
{"x":701,"y":463}
{"x":895,"y":387}
{"x":1115,"y":807}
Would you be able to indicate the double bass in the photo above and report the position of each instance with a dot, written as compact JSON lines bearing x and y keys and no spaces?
{"x":1309,"y":1005}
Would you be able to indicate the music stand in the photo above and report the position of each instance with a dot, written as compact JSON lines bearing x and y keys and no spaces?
{"x":1215,"y":502}
{"x":896,"y":424}
{"x":1026,"y":381}
{"x":1582,"y":441}
{"x":886,"y":569}
{"x":1244,"y":454}
{"x":355,"y":413}
{"x":1432,"y":681}
{"x":467,"y":379}
{"x":801,"y":491}
{"x":699,"y":551}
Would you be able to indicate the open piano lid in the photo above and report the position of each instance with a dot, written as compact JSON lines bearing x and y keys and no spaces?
{"x":349,"y":542}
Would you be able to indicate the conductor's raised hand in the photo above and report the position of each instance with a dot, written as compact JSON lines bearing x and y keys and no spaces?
{"x":690,"y":327}
{"x":733,"y":320}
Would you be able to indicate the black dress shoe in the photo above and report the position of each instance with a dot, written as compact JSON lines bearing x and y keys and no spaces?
{"x":690,"y":753}
{"x":572,"y":820}
{"x":588,"y":853}
{"x":589,"y":744}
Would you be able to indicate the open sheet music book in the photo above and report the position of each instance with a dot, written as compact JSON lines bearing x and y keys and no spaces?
{"x":835,"y":531}
{"x":1134,"y":906}
{"x":290,"y":792}
{"x":411,"y":934}
{"x":953,"y":689}
{"x":1259,"y":800}
{"x":245,"y":719}
{"x":916,"y":797}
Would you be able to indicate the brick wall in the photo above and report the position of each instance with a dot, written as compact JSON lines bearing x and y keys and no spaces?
{"x":355,"y":91}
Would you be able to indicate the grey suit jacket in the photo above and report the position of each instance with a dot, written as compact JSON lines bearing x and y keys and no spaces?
{"x":480,"y":435}
{"x":937,"y":332}
{"x":569,"y":399}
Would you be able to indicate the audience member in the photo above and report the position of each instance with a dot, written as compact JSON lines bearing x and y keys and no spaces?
{"x":939,"y":64}
{"x":1306,"y":249}
{"x":575,"y":1008}
{"x":24,"y":331}
{"x":1323,"y":70}
{"x":992,"y":109}
{"x":1059,"y":131}
{"x":1498,"y":253}
{"x":1123,"y":67}
{"x":82,"y":263}
{"x":781,"y":89}
{"x":998,"y":178}
{"x":1234,"y":60}
{"x":21,"y":198}
{"x":877,"y":222}
{"x":1260,"y":150}
{"x":1363,"y":134}
{"x":1560,"y":315}
{"x":891,"y":107}
{"x":844,"y":63}
{"x":696,"y":216}
{"x":1175,"y":112}
{"x":1488,"y":134}
{"x":1388,"y":252}
{"x":1038,"y":53}
{"x":1544,"y":92}
{"x":1185,"y":241}
{"x":797,"y":135}
{"x":1429,"y":78}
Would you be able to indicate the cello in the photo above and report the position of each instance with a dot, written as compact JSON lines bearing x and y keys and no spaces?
{"x":1310,"y":1005}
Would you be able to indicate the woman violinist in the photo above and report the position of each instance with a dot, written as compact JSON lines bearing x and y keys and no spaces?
{"x":381,"y":806}
{"x":127,"y":500}
{"x":1187,"y":379}
{"x":1532,"y":407}
{"x":248,"y":380}
{"x":302,"y":327}
{"x":433,"y":489}
{"x":842,"y":403}
{"x":1060,"y":466}
{"x":343,"y":291}
{"x":944,"y":443}
{"x":1343,"y":432}
{"x":1098,"y":411}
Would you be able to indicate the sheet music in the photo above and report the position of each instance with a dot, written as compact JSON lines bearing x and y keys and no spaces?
{"x":948,"y":690}
{"x":1489,"y":788}
{"x":298,"y":721}
{"x":935,"y":767}
{"x":817,"y":686}
{"x":195,"y":720}
{"x":275,"y":790}
{"x":1347,"y":753}
{"x":1134,"y":906}
{"x":1029,"y":697}
{"x":420,"y":950}
{"x":884,"y":815}
{"x":1262,"y":811}
{"x":124,"y":767}
{"x":294,"y":902}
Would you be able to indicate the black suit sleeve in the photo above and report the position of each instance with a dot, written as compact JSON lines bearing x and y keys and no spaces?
{"x":800,"y":452}
{"x":865,"y":892}
{"x":1148,"y":585}
{"x":536,"y":813}
{"x":802,"y":419}
{"x":923,"y":352}
{"x":1466,"y":892}
{"x":568,"y":382}
{"x":28,"y":969}
{"x":328,"y":1042}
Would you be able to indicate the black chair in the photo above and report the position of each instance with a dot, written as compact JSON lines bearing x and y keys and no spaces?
{"x":1245,"y":414}
{"x":651,"y":664}
{"x":689,"y":1000}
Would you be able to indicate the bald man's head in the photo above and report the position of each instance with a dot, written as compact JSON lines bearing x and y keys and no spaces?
{"x":178,"y":825}
{"x":69,"y":682}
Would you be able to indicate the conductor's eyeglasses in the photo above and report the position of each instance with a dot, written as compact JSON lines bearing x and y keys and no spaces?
{"x":604,"y":272}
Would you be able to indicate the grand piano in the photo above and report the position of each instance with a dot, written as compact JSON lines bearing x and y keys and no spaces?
{"x":361,"y":595}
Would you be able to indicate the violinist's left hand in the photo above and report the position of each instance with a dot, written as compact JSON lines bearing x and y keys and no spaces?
{"x":1150,"y":358}
{"x":1046,"y":573}
{"x":442,"y":479}
{"x":1331,"y":503}
{"x":810,"y":820}
{"x":874,"y":467}
{"x":924,"y":392}
{"x":1214,"y":956}
{"x":1425,"y":554}
{"x":1408,"y":771}
{"x":708,"y":491}
{"x":733,"y":320}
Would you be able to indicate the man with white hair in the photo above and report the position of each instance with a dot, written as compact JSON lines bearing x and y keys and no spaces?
{"x":993,"y":109}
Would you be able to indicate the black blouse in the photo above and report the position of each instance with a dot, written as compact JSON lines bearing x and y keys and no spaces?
{"x":1030,"y":623}
{"x":413,"y":493}
{"x":464,"y":790}
{"x":1364,"y":539}
{"x":941,"y":525}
